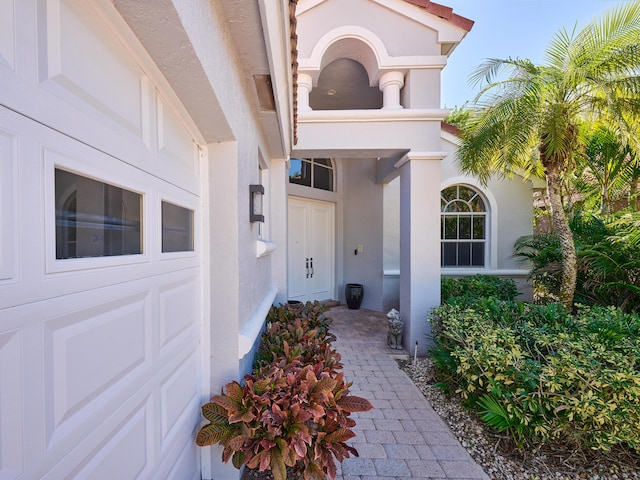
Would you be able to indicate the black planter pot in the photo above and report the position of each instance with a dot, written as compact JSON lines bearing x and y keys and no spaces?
{"x":353,"y":293}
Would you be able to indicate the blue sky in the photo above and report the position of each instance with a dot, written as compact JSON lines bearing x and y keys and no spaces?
{"x":509,"y":28}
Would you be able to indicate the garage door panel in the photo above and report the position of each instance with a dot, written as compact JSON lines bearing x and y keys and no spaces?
{"x":80,"y":61}
{"x":99,"y":356}
{"x":11,"y":406}
{"x":125,"y":454}
{"x":186,"y":466}
{"x":178,"y":399}
{"x":178,"y":152}
{"x":8,"y":203}
{"x":178,"y":307}
{"x":7,"y":34}
{"x":89,"y":352}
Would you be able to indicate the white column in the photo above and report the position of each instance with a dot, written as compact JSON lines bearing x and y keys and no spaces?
{"x":278,"y":179}
{"x":419,"y":245}
{"x":305,"y":85}
{"x":224,"y":258}
{"x":390,"y":85}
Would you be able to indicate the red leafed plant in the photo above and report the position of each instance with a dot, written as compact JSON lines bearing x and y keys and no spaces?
{"x":291,"y":415}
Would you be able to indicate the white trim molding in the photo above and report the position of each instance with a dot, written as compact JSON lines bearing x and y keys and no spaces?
{"x":383,"y":61}
{"x":249,"y":334}
{"x":420,"y":156}
{"x":454,"y":272}
{"x":374,"y":115}
{"x":264,"y":247}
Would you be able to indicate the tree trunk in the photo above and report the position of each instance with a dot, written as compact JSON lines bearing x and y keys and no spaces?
{"x":605,"y":202}
{"x":634,"y":199}
{"x":561,"y":227}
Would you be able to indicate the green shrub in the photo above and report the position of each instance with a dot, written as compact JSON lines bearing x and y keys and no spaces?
{"x":543,"y":374}
{"x":608,"y":261}
{"x":469,"y":288}
{"x":293,"y":414}
{"x":297,"y":332}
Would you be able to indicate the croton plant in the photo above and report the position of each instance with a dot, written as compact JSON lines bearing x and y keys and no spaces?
{"x":292,"y":415}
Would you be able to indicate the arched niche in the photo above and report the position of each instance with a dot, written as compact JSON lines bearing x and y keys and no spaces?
{"x":344,"y":84}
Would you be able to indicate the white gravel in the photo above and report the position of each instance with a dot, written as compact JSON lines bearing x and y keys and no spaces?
{"x":496,"y":454}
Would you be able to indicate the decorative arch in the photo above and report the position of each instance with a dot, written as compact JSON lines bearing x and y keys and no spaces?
{"x":491,"y":209}
{"x":352,"y":42}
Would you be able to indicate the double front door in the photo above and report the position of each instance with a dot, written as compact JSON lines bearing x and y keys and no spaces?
{"x":311,"y":250}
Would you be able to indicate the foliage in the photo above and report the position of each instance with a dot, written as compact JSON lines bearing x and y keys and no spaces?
{"x":297,"y":332}
{"x":478,"y":286}
{"x":607,"y":169}
{"x":545,"y":375}
{"x":294,"y":412}
{"x":528,"y":118}
{"x":608,"y":261}
{"x":459,"y":116}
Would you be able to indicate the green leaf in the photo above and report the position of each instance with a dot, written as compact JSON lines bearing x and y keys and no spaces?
{"x":238,"y":459}
{"x":237,"y":443}
{"x":278,"y":468}
{"x":234,"y":391}
{"x":210,"y":434}
{"x":326,"y":385}
{"x":494,"y":414}
{"x":225,"y":402}
{"x":215,"y":413}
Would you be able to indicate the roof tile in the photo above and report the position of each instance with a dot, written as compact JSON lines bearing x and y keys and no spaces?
{"x":443,"y":12}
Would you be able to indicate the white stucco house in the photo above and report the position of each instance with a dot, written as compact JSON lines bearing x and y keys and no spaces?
{"x":136,"y":138}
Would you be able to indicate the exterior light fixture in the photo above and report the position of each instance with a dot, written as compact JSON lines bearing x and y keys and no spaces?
{"x":256,"y":213}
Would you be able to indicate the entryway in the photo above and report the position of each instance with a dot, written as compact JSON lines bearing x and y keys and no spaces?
{"x":311,"y":253}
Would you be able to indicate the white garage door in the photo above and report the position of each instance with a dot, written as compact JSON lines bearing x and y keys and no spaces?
{"x":100,"y":288}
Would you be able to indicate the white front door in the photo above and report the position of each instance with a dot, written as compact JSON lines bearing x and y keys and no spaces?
{"x":311,"y":250}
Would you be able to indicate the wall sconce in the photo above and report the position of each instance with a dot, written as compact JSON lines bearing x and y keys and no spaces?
{"x":256,"y":213}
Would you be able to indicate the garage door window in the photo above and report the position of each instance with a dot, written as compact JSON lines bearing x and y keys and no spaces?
{"x":177,"y":228}
{"x":95,"y":219}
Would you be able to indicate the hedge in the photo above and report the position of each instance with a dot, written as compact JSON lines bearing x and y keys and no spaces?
{"x":542,"y":373}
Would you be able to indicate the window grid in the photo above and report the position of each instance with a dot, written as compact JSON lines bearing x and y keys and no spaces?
{"x":312,"y":172}
{"x":463,"y":228}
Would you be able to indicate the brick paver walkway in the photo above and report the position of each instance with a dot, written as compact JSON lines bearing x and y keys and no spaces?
{"x":402,"y":437}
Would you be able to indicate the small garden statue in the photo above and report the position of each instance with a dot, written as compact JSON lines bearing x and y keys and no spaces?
{"x":394,"y":337}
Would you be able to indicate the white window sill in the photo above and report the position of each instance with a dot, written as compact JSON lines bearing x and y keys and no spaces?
{"x":264,"y":247}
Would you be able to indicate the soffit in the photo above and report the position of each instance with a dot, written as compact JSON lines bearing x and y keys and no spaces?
{"x":157,"y":25}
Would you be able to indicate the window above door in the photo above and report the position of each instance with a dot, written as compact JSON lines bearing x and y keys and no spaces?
{"x":314,"y":172}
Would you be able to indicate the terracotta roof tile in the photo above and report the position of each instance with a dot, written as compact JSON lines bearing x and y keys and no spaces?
{"x":452,"y":129}
{"x":294,"y":65}
{"x":444,"y":12}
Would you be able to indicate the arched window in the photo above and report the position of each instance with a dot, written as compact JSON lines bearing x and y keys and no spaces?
{"x":312,"y":172}
{"x":463,"y":227}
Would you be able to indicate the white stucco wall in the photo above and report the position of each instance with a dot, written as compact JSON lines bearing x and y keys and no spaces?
{"x":511,"y":216}
{"x":415,"y":40}
{"x":363,"y":225}
{"x":511,"y":207}
{"x":415,"y":95}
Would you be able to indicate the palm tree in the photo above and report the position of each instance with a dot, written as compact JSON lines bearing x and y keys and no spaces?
{"x":607,"y":170}
{"x":527,"y":117}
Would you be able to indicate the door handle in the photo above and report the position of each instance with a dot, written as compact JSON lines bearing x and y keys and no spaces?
{"x":311,"y":267}
{"x":307,"y":266}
